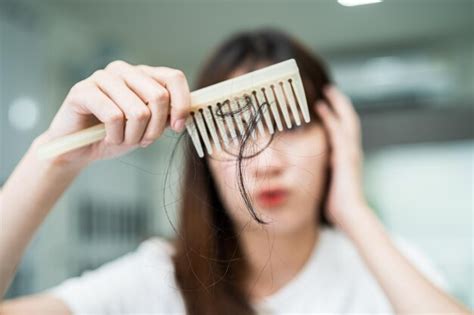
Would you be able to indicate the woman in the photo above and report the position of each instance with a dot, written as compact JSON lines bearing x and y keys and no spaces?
{"x":301,"y":240}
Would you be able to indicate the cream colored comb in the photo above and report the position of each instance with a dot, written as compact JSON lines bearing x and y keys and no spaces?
{"x":220,"y":112}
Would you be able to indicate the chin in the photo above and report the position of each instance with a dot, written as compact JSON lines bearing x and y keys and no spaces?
{"x":284,"y":221}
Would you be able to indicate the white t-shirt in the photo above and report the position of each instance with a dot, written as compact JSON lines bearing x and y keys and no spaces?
{"x":333,"y":280}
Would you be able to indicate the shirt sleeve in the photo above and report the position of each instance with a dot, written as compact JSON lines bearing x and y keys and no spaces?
{"x":117,"y":287}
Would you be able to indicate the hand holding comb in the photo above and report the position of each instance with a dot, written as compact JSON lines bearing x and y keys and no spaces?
{"x":219,"y":112}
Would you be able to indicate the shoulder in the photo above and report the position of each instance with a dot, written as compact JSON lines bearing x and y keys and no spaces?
{"x":156,"y":249}
{"x":408,"y":249}
{"x":125,"y":284}
{"x":356,"y":279}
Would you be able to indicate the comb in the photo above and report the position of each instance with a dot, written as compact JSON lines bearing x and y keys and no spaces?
{"x":220,"y":114}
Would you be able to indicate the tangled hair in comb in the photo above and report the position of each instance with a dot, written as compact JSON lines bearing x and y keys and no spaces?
{"x":209,"y":264}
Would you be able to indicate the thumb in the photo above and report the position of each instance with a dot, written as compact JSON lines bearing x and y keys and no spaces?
{"x":178,"y":117}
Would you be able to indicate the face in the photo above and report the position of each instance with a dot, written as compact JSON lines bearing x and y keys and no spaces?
{"x":284,"y":181}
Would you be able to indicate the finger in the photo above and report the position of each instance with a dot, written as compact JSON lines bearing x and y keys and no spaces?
{"x":136,"y":112}
{"x":151,"y":93}
{"x":159,"y":113}
{"x":343,"y":107}
{"x":92,"y":100}
{"x":177,"y":85}
{"x":329,"y":120}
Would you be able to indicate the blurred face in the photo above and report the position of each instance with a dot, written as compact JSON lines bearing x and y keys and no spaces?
{"x":284,"y":181}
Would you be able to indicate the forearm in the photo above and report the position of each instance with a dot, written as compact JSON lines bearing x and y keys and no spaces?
{"x":25,"y":200}
{"x":406,"y":288}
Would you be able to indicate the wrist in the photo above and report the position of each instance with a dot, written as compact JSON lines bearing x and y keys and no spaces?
{"x":56,"y":162}
{"x":355,"y":219}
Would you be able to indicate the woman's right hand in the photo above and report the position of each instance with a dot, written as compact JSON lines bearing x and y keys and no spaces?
{"x":135,"y":103}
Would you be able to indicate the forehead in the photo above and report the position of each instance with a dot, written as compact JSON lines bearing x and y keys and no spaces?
{"x":252,"y":65}
{"x":248,"y":66}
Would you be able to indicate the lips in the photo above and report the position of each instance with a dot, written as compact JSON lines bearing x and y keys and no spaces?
{"x":272,"y":197}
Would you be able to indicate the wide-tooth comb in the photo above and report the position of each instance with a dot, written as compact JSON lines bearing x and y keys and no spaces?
{"x":220,"y":113}
{"x":224,"y":110}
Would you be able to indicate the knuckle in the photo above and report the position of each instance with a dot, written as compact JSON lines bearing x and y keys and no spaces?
{"x":142,"y":68}
{"x":78,"y":90}
{"x":115,"y":118}
{"x":116,"y":64}
{"x":98,"y":74}
{"x":74,"y":90}
{"x":140,"y":114}
{"x":79,"y":86}
{"x":161,"y":96}
{"x":178,"y":74}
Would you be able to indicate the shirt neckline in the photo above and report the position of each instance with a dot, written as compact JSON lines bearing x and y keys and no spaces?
{"x":313,"y":261}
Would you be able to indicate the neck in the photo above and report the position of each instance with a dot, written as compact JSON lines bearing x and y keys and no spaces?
{"x":273,"y":260}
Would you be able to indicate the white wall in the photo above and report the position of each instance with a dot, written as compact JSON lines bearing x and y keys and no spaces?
{"x":424,"y":193}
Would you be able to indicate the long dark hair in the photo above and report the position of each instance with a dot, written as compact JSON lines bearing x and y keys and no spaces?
{"x":209,"y":264}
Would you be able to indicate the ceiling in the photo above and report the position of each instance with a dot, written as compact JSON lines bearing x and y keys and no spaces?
{"x":184,"y":31}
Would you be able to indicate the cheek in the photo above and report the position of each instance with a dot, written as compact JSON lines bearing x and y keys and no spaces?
{"x":307,"y":158}
{"x":309,"y":149}
{"x":223,"y":174}
{"x":317,"y":154}
{"x":225,"y":177}
{"x":310,"y":158}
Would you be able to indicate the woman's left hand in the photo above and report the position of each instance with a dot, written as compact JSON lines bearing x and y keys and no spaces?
{"x":348,"y":209}
{"x":341,"y":123}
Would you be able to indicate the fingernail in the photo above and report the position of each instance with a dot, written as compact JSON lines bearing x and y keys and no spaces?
{"x":179,"y":125}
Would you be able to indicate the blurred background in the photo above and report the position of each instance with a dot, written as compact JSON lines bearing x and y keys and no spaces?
{"x":407,"y":65}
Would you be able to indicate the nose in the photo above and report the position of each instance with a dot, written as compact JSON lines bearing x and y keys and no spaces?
{"x":268,"y":163}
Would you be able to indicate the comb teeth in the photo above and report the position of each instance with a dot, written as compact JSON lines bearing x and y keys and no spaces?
{"x":246,"y":113}
{"x":217,"y":113}
{"x":274,"y":110}
{"x":264,"y":109}
{"x":237,"y":117}
{"x":222,"y":113}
